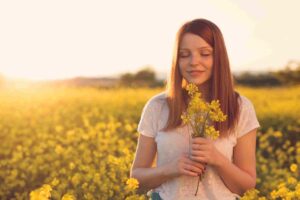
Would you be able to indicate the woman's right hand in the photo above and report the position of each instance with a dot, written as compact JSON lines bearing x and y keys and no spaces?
{"x":185,"y":166}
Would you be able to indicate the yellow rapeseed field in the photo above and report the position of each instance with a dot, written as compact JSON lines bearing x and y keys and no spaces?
{"x":79,"y":143}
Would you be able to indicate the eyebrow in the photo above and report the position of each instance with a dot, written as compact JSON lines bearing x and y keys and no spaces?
{"x":200,"y":48}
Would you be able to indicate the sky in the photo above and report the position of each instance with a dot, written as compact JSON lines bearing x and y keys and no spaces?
{"x":42,"y":39}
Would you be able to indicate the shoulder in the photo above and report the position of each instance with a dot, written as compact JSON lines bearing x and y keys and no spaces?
{"x":247,"y":119}
{"x":244,"y":103}
{"x":153,"y":115}
{"x":246,"y":107}
{"x":160,"y":97}
{"x":157,"y":100}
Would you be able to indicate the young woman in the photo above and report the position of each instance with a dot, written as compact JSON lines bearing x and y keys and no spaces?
{"x":228,"y":163}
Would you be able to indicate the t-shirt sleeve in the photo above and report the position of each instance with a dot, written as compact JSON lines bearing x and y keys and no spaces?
{"x":148,"y":122}
{"x":247,"y":120}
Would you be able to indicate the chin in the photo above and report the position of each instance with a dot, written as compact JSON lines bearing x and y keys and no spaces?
{"x":197,"y":81}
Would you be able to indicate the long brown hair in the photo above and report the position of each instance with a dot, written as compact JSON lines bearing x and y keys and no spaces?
{"x":221,"y":81}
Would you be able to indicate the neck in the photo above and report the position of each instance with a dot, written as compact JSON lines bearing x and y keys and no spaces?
{"x":205,"y":90}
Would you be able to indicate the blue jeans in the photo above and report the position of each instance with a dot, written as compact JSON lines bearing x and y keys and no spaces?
{"x":155,"y":196}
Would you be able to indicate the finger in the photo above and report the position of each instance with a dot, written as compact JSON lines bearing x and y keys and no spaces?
{"x":195,"y":146}
{"x":199,"y":165}
{"x":199,"y":147}
{"x":198,"y":153}
{"x":198,"y":158}
{"x":199,"y":140}
{"x":193,"y":168}
{"x":196,"y":164}
{"x":189,"y":173}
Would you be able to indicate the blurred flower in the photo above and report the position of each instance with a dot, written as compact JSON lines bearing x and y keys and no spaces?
{"x":68,"y":197}
{"x":132,"y":183}
{"x":43,"y":193}
{"x":293,"y":167}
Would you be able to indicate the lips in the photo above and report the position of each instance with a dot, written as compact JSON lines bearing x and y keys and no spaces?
{"x":195,"y":72}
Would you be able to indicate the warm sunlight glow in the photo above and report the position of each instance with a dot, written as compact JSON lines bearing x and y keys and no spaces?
{"x":100,"y":39}
{"x":36,"y":74}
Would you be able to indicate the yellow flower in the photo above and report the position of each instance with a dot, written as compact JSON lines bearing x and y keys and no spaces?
{"x":292,"y":180}
{"x":250,"y":194}
{"x":200,"y":114}
{"x":135,"y":197}
{"x":55,"y":182}
{"x":75,"y":180}
{"x":293,"y":167}
{"x":274,"y":194}
{"x":71,"y":165}
{"x":192,"y":89}
{"x":185,"y":118}
{"x":277,"y":134}
{"x":132,"y":183}
{"x":297,"y":190}
{"x":282,"y":185}
{"x":282,"y":191}
{"x":211,"y":132}
{"x":68,"y":197}
{"x":262,"y":198}
{"x":43,"y":193}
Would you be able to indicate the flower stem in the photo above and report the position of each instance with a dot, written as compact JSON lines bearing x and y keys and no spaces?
{"x":202,"y":134}
{"x":199,"y":179}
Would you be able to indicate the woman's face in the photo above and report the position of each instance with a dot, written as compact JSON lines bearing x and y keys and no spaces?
{"x":195,"y":59}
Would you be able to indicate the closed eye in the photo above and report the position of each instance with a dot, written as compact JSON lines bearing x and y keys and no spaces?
{"x":184,"y":54}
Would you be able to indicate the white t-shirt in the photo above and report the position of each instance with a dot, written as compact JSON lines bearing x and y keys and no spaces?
{"x":171,"y":144}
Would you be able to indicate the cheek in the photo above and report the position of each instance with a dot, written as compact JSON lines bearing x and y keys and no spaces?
{"x":183,"y":64}
{"x":181,"y":67}
{"x":209,"y":63}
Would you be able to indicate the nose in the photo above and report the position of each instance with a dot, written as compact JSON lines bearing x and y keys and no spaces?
{"x":194,"y":59}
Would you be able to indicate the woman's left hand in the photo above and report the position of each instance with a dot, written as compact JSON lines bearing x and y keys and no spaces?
{"x":204,"y":151}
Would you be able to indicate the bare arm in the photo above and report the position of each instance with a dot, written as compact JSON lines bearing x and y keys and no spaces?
{"x":240,"y":175}
{"x":151,"y":177}
{"x":147,"y":176}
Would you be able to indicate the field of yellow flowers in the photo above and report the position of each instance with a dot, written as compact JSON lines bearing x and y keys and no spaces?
{"x":79,"y":143}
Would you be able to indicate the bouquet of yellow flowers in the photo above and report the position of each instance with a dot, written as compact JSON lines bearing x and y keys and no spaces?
{"x":200,"y":115}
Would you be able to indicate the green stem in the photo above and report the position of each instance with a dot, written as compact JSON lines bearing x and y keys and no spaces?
{"x":199,"y":179}
{"x":201,"y":134}
{"x":203,"y":126}
{"x":200,"y":176}
{"x":194,"y":129}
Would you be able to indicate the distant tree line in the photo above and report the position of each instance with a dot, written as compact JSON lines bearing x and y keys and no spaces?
{"x":145,"y":77}
{"x":290,"y":75}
